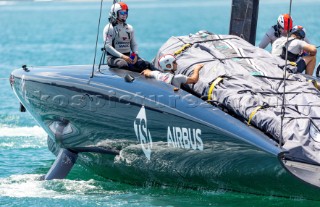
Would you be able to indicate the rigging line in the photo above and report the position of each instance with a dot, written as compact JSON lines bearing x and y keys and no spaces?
{"x":284,"y":81}
{"x":214,"y":40}
{"x":173,"y":44}
{"x":277,"y":105}
{"x":184,"y":71}
{"x":211,"y":40}
{"x":310,"y":118}
{"x":111,"y":22}
{"x":291,"y":107}
{"x":274,"y":93}
{"x":95,"y":51}
{"x":275,"y":78}
{"x":203,"y":41}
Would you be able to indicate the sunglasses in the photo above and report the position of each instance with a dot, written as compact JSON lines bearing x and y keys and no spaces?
{"x":123,"y":12}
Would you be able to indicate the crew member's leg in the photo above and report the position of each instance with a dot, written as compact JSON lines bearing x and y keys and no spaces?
{"x":301,"y":65}
{"x":318,"y":71}
{"x":142,"y":64}
{"x":310,"y":62}
{"x":115,"y":62}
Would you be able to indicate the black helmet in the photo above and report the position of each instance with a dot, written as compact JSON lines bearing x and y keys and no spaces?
{"x":298,"y":31}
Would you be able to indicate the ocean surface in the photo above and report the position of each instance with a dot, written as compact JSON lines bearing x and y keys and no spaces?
{"x":39,"y":33}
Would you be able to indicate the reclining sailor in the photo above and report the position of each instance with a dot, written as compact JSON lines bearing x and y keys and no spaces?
{"x":168,"y":65}
{"x":296,"y":47}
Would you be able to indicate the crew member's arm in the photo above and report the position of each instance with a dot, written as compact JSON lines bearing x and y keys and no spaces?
{"x":134,"y":46}
{"x":267,"y":38}
{"x":195,"y":76}
{"x":108,"y":36}
{"x":150,"y":74}
{"x":311,"y":49}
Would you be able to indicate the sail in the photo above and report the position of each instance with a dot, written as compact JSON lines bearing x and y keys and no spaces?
{"x":247,"y":82}
{"x":244,"y":18}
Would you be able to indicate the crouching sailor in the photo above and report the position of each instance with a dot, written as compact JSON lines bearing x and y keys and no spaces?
{"x":168,"y":65}
{"x":119,"y":41}
{"x":296,"y":46}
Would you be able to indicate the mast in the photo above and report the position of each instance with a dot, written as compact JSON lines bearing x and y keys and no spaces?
{"x":244,"y":18}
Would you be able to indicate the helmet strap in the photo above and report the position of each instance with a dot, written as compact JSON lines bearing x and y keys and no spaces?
{"x":112,"y":20}
{"x":122,"y":20}
{"x":277,"y":32}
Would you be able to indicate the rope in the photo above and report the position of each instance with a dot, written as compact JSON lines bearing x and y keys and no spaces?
{"x":202,"y":41}
{"x":103,"y":49}
{"x":274,"y":78}
{"x":283,"y":110}
{"x":287,"y":105}
{"x":95,"y":51}
{"x":293,"y":107}
{"x":274,"y":93}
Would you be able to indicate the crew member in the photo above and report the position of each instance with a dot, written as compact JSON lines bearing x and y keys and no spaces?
{"x":283,"y":26}
{"x":120,"y":42}
{"x":295,"y":46}
{"x":168,"y":65}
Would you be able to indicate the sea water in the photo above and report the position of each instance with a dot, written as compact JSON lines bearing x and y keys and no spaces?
{"x":39,"y":33}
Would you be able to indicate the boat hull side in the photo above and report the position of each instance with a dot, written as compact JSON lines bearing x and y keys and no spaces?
{"x":155,"y":135}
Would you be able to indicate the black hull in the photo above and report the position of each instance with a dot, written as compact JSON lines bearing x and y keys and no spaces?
{"x":145,"y":132}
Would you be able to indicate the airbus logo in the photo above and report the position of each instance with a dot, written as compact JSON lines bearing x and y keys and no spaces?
{"x":186,"y":138}
{"x":142,"y":132}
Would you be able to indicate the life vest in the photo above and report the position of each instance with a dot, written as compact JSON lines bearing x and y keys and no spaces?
{"x":166,"y":77}
{"x":122,"y":38}
{"x":291,"y":56}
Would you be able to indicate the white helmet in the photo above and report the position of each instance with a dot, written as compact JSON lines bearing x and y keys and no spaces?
{"x":117,"y":7}
{"x":166,"y":60}
{"x":285,"y":22}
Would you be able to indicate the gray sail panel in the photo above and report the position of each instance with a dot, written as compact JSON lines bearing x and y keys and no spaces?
{"x":251,"y":88}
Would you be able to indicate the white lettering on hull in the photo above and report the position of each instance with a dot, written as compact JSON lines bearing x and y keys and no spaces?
{"x":185,"y":138}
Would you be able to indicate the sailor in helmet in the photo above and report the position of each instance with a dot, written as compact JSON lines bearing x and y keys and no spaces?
{"x":168,"y":65}
{"x":283,"y":26}
{"x":120,"y":42}
{"x":294,"y":47}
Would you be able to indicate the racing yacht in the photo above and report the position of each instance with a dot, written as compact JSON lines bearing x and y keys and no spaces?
{"x":132,"y":129}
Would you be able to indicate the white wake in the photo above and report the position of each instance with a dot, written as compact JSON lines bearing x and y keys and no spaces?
{"x":34,"y":131}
